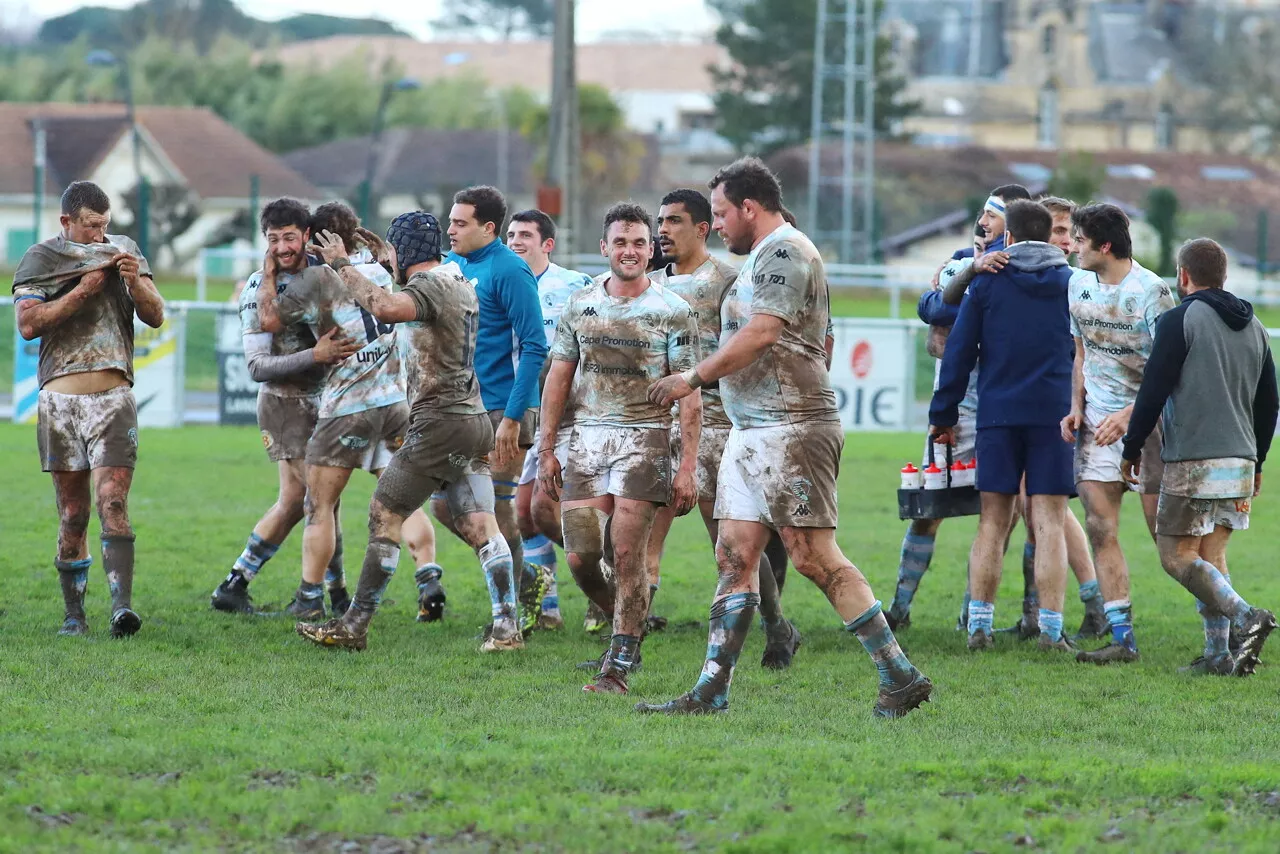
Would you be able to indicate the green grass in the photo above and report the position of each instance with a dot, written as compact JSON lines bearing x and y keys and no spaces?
{"x":207,"y":731}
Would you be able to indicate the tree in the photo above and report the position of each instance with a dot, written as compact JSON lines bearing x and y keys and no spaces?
{"x":1078,"y":177}
{"x":1162,"y":214}
{"x":171,"y":211}
{"x":501,"y":19}
{"x":1242,"y":76}
{"x":764,"y":100}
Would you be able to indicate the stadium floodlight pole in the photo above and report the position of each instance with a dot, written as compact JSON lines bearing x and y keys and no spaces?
{"x":404,"y":84}
{"x":104,"y":59}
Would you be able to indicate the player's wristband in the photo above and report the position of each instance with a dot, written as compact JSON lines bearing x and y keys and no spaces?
{"x":546,"y":451}
{"x":338,"y":263}
{"x":692,"y":377}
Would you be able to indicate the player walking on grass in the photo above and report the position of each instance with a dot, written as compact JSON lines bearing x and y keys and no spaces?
{"x":78,"y":293}
{"x":1114,"y":305}
{"x":1016,"y":321}
{"x":532,"y":236}
{"x":619,"y":335}
{"x":1212,"y":375}
{"x":291,"y":366}
{"x":782,"y":456}
{"x":511,"y":348}
{"x":449,"y":436}
{"x":684,"y":223}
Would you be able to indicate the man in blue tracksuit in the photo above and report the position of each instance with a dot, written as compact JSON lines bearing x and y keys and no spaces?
{"x":511,"y":347}
{"x":1016,"y":322}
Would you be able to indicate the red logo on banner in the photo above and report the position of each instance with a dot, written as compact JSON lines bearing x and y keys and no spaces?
{"x":861,"y":359}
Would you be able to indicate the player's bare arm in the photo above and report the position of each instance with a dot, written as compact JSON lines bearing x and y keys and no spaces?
{"x":147,"y":302}
{"x":747,"y":345}
{"x":555,"y":393}
{"x":685,"y":485}
{"x":36,"y":318}
{"x":268,"y":313}
{"x":1071,"y":423}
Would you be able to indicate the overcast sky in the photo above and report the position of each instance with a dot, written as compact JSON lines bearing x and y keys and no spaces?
{"x":595,"y":17}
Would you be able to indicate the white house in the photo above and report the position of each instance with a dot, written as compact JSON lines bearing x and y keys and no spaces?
{"x":185,"y":147}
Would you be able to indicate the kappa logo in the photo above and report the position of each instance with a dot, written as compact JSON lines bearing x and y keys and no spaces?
{"x":1164,"y":291}
{"x":802,"y":511}
{"x":1085,"y":295}
{"x":782,"y":253}
{"x":589,"y":312}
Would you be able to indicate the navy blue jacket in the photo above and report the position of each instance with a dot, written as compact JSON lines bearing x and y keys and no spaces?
{"x":931,"y":309}
{"x":1015,"y":327}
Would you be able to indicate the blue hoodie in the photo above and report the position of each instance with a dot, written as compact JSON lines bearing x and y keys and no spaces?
{"x":931,"y":309}
{"x":510,"y":312}
{"x":1016,"y":323}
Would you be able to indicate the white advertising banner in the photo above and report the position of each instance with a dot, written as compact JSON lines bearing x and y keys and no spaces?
{"x":873,"y":372}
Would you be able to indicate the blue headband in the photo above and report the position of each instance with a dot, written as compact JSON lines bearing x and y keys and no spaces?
{"x":994,"y":205}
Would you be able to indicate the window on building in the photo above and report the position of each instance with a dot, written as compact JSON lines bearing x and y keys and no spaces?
{"x":1164,"y":128}
{"x":1048,"y":134}
{"x":1049,"y":41}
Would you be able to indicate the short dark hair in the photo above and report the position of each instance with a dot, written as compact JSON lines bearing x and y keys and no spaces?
{"x":84,"y":194}
{"x":283,"y":213}
{"x":546,"y":226}
{"x":1011,"y":192}
{"x":627,"y":212}
{"x":1103,"y":223}
{"x":490,"y":204}
{"x":696,"y":204}
{"x":338,"y":218}
{"x":1058,"y":205}
{"x":1205,"y":262}
{"x":1028,"y":220}
{"x":748,"y":178}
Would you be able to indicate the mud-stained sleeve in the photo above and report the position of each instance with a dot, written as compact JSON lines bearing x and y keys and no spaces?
{"x":30,"y":280}
{"x":1158,"y":300}
{"x":422,"y":301}
{"x":782,"y":283}
{"x":297,"y":303}
{"x":127,"y":244}
{"x":565,"y":347}
{"x":682,"y":339}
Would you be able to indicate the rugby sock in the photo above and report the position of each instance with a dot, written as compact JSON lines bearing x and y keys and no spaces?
{"x":1217,"y":631}
{"x":776,"y":551}
{"x":117,"y":560}
{"x":256,"y":553}
{"x":380,"y":561}
{"x":775,"y":625}
{"x":308,"y":592}
{"x":917,"y":552}
{"x":1120,"y":616}
{"x":1209,"y":585}
{"x":334,"y":577}
{"x":981,"y":616}
{"x":878,"y":640}
{"x":1089,"y":592}
{"x":624,"y":652}
{"x":499,"y":576}
{"x":540,"y":551}
{"x":426,"y":574}
{"x":74,"y":578}
{"x":1030,"y":593}
{"x":730,"y":623}
{"x":1051,"y":624}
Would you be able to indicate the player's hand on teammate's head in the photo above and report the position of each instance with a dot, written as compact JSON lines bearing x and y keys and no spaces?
{"x":991,"y":262}
{"x":329,"y":246}
{"x":333,"y":347}
{"x":270,"y":266}
{"x":378,"y":248}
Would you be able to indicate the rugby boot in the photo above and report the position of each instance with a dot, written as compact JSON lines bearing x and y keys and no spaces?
{"x":431,"y":596}
{"x":74,"y":627}
{"x":654,"y":623}
{"x":335,"y":633}
{"x":306,"y":610}
{"x":1218,"y":665}
{"x":125,"y":623}
{"x":1062,"y":644}
{"x":232,"y":596}
{"x":980,"y":642}
{"x":685,"y":704}
{"x":1112,"y":653}
{"x":339,"y":601}
{"x":1028,"y":625}
{"x":535,"y":582}
{"x":779,"y":651}
{"x":897,"y":622}
{"x":503,"y":636}
{"x":600,"y":663}
{"x":897,"y":700}
{"x":610,"y":680}
{"x":1253,"y":634}
{"x":551,"y":621}
{"x":1094,"y":625}
{"x":596,"y":620}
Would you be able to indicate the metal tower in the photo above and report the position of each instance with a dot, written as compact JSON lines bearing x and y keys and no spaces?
{"x":842,"y":189}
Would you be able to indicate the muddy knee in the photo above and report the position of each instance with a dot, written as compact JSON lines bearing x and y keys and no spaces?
{"x":584,"y":533}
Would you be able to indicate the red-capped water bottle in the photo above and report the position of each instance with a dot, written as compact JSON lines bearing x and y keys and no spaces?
{"x":911,"y":477}
{"x":934,"y":477}
{"x":959,"y":471}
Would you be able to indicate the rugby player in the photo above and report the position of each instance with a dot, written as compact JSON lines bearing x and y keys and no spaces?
{"x":290,"y":366}
{"x":450,"y":432}
{"x":1115,"y":305}
{"x":1212,"y":374}
{"x":782,"y":456}
{"x":619,"y":335}
{"x":684,"y":223}
{"x":532,"y":235}
{"x":78,"y":293}
{"x":511,"y":348}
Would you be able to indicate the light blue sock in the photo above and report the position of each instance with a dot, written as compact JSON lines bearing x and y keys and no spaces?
{"x":1120,"y":617}
{"x":878,"y":640}
{"x":1217,"y":631}
{"x":1090,"y":591}
{"x":981,"y":616}
{"x":499,"y":576}
{"x":730,"y":623}
{"x":1051,"y":624}
{"x":256,"y":553}
{"x":917,"y":552}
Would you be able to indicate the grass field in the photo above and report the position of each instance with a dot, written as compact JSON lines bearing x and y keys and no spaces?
{"x":207,"y":731}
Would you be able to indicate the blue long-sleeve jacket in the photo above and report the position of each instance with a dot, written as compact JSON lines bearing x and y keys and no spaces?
{"x":1016,"y":322}
{"x":511,"y":345}
{"x":932,"y":310}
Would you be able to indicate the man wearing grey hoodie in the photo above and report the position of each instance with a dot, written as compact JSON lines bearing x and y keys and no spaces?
{"x":1212,"y":376}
